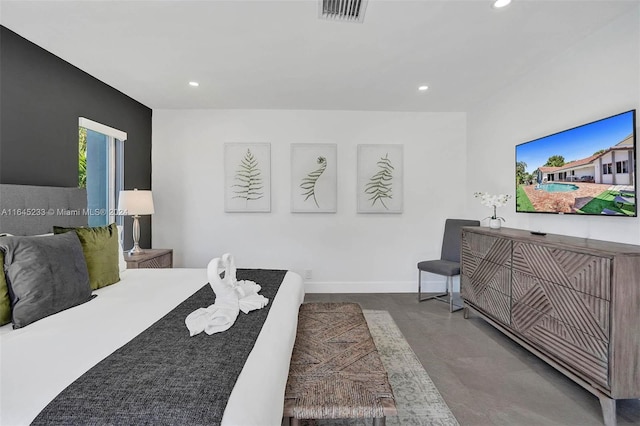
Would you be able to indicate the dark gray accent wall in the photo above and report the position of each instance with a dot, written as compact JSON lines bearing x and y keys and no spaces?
{"x":41,"y":98}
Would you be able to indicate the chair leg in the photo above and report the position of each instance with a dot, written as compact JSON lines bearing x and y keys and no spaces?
{"x":450,"y":289}
{"x":446,"y":297}
{"x":435,"y":296}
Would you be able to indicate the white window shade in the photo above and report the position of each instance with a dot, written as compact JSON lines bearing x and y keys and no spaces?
{"x":101,"y":128}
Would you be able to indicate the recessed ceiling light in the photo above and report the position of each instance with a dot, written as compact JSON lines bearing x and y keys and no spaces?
{"x":423,"y":88}
{"x":501,"y":3}
{"x":194,"y":83}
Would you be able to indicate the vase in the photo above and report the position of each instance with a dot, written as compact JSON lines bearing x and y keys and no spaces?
{"x":495,"y":223}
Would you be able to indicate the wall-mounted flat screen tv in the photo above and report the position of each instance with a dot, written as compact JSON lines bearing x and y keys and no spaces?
{"x":586,"y":170}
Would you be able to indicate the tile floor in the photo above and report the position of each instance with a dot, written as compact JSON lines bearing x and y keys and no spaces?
{"x":484,"y":377}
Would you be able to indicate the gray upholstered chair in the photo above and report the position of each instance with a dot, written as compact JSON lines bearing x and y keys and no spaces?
{"x":449,"y":262}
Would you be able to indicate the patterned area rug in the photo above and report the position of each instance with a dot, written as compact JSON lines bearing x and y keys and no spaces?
{"x":417,"y":399}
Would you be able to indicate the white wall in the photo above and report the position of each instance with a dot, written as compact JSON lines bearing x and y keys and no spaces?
{"x":345,"y":250}
{"x":596,"y":78}
{"x":448,"y":156}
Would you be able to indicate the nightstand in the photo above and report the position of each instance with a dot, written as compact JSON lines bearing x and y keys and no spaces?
{"x":151,"y":258}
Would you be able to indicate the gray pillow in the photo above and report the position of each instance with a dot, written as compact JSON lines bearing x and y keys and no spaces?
{"x":45,"y":275}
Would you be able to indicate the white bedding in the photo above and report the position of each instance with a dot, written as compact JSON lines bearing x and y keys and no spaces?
{"x":37,"y":362}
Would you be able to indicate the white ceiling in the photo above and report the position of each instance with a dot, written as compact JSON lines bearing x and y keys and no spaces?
{"x":279,"y":55}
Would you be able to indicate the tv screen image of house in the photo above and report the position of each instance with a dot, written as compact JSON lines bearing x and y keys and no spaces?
{"x":587,"y":170}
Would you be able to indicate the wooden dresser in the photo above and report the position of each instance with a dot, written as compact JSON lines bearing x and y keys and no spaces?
{"x":574,"y":302}
{"x":151,"y":258}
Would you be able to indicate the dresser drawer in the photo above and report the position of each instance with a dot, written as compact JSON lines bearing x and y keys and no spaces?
{"x":492,"y":302}
{"x":471,"y":291}
{"x":580,"y":272}
{"x":496,"y":250}
{"x":152,"y":258}
{"x":157,"y":262}
{"x":583,"y":352}
{"x":492,"y":275}
{"x":582,"y":311}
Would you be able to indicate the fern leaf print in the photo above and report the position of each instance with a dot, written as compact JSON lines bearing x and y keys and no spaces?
{"x":309,"y":182}
{"x":249,"y":179}
{"x":380,"y":184}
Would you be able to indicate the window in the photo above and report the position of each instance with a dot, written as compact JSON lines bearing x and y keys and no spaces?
{"x":606,"y":169}
{"x":101,"y":170}
{"x":622,"y":167}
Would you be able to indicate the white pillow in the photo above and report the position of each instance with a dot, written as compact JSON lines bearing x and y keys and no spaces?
{"x":122,"y":264}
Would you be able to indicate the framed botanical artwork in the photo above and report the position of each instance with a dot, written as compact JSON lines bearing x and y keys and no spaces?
{"x":314,"y":178}
{"x":247,"y":170}
{"x":380,"y":178}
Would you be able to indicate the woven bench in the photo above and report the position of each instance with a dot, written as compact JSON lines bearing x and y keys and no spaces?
{"x":336,"y":371}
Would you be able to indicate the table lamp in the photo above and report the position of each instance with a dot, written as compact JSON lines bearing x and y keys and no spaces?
{"x":135,"y":203}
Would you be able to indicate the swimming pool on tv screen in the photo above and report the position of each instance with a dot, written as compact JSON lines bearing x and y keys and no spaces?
{"x":557,"y":187}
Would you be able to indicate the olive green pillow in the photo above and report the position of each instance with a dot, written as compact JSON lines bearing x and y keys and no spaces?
{"x":5,"y":302}
{"x":100,"y":248}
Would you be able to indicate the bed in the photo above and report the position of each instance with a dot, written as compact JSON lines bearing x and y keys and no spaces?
{"x":42,"y":359}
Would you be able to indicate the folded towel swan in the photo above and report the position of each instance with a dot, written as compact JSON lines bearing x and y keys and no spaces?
{"x":232,"y":296}
{"x":252,"y":302}
{"x":249,"y":299}
{"x":223,"y":313}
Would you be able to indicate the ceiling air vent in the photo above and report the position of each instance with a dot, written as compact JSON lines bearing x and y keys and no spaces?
{"x":343,"y":10}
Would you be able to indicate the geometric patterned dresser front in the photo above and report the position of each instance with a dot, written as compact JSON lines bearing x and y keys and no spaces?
{"x":485,"y":276}
{"x":561,"y":304}
{"x":574,"y":302}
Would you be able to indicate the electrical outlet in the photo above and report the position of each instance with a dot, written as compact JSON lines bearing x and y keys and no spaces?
{"x":308,"y":274}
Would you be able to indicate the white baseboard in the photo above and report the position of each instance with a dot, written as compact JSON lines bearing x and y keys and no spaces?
{"x":377,"y":286}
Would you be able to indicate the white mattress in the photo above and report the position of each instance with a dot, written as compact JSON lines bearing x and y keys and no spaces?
{"x":37,"y":362}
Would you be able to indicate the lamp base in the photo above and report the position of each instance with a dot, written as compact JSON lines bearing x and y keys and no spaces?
{"x":135,"y":250}
{"x":136,"y":237}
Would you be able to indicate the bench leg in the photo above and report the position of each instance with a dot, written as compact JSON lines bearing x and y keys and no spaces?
{"x":379,"y":421}
{"x":294,"y":422}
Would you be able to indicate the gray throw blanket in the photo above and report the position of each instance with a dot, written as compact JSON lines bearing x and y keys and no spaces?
{"x":163,"y":376}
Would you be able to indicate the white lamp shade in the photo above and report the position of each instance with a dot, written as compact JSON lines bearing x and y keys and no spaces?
{"x":135,"y":202}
